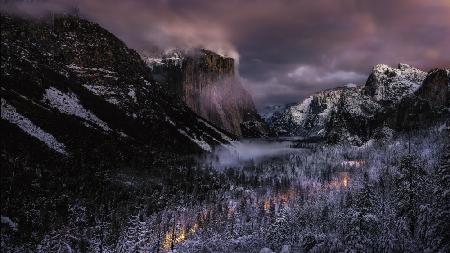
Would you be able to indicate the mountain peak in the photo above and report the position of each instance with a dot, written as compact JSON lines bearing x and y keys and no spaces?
{"x":389,"y":84}
{"x":355,"y":113}
{"x":403,"y":66}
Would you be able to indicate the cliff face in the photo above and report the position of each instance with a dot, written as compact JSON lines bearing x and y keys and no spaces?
{"x":434,"y":88}
{"x":309,"y":117}
{"x":427,"y":104}
{"x":392,"y":99}
{"x":206,"y":82}
{"x":74,"y":83}
{"x":389,"y":85}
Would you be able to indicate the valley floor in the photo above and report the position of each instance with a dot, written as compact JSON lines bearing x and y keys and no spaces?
{"x":385,"y":196}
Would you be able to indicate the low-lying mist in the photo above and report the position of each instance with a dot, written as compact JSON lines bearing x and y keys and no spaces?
{"x":248,"y":151}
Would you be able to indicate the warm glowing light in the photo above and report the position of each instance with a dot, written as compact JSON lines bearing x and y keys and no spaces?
{"x":345,"y":181}
{"x":181,"y":235}
{"x":167,"y":240}
{"x":193,"y":228}
{"x":266,"y":204}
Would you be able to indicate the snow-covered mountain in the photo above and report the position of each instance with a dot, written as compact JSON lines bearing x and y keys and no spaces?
{"x":207,"y":83}
{"x":356,"y":113}
{"x":309,"y":117}
{"x":267,"y":112}
{"x":389,"y":85}
{"x":72,"y":85}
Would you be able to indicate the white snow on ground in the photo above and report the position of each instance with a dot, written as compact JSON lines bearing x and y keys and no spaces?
{"x":170,"y":121}
{"x":103,"y":91}
{"x":203,"y":144}
{"x":68,"y":103}
{"x":6,"y":220}
{"x":10,"y":114}
{"x":132,"y":94}
{"x":113,"y":95}
{"x":443,"y":127}
{"x":79,"y":69}
{"x":353,"y":163}
{"x":225,"y":137}
{"x":147,"y":83}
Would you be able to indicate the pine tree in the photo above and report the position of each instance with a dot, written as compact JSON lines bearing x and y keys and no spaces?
{"x":363,"y":223}
{"x":440,"y":232}
{"x":130,"y":236}
{"x":409,"y":187}
{"x":278,"y":233}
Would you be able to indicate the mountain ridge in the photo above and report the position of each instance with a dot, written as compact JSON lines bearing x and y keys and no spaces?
{"x":356,"y":113}
{"x":72,"y":70}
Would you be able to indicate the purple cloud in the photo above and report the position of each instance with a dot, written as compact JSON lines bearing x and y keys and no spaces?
{"x":287,"y":49}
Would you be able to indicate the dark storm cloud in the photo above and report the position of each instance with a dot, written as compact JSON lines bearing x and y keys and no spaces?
{"x":287,"y":49}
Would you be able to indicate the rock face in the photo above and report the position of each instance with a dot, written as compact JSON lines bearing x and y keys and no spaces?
{"x":72,"y":83}
{"x":434,"y":86}
{"x":309,"y":117}
{"x":389,"y":85}
{"x":207,"y":83}
{"x":392,"y":99}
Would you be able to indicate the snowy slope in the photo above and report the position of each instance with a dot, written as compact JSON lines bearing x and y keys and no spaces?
{"x":355,"y":113}
{"x":10,"y":114}
{"x":68,"y":103}
{"x":309,"y":117}
{"x":75,"y":73}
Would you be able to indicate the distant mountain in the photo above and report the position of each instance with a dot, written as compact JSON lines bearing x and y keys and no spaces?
{"x":392,"y":99}
{"x":268,"y":112}
{"x":207,"y":83}
{"x":71,"y":85}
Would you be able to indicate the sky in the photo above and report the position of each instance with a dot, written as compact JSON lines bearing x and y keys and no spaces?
{"x":285,"y":49}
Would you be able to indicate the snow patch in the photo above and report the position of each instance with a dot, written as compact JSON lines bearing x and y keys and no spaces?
{"x":132,"y":94}
{"x":79,"y":69}
{"x":443,"y":127}
{"x":103,"y":91}
{"x":201,"y":143}
{"x":222,"y":135}
{"x":68,"y":103}
{"x":10,"y":114}
{"x":6,"y":220}
{"x":170,"y":121}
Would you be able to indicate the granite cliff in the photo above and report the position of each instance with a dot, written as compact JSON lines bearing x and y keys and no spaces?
{"x":208,"y":84}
